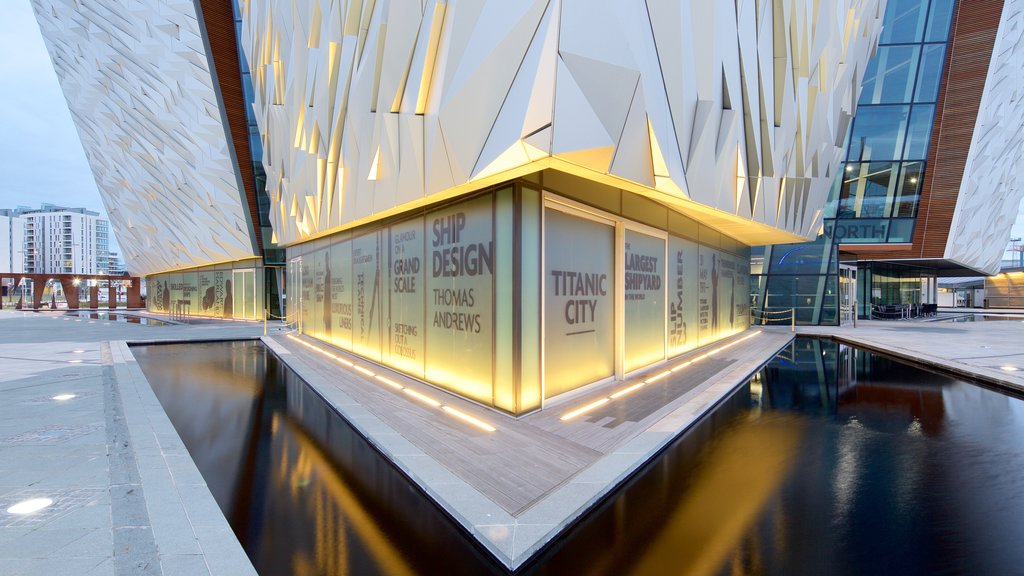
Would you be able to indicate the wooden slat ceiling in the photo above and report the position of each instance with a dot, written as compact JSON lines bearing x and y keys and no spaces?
{"x":220,"y":31}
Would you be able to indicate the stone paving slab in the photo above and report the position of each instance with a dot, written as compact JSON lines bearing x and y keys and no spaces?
{"x":96,"y":454}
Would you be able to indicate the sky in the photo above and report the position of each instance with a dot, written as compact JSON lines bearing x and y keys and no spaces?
{"x":41,"y":157}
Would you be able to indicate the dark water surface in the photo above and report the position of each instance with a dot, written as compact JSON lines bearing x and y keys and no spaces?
{"x":830,"y":461}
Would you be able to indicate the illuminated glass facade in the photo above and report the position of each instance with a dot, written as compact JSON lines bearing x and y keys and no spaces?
{"x":875,"y":197}
{"x":521,"y":293}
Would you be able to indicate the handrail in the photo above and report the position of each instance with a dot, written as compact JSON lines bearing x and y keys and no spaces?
{"x":778,"y":315}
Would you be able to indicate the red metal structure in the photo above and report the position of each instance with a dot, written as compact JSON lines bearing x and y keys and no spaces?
{"x":70,"y":284}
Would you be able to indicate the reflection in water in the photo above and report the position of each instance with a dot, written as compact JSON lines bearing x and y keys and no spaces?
{"x":114,"y":317}
{"x":830,"y":461}
{"x":260,"y":437}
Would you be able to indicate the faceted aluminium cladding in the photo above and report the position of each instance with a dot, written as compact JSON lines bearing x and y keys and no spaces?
{"x":138,"y":81}
{"x":992,"y":188}
{"x":731,"y":112}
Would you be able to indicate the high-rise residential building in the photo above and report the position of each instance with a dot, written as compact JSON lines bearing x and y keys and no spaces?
{"x":508,"y":200}
{"x":59,"y":240}
{"x":930,"y":184}
{"x":12,"y":242}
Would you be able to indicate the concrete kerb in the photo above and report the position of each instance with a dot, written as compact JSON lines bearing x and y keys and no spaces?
{"x":180,"y":528}
{"x":513,"y":541}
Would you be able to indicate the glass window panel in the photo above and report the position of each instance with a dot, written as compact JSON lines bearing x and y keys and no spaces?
{"x":901,"y":230}
{"x":645,"y":299}
{"x":460,"y":298}
{"x":803,"y":258}
{"x":908,"y":194}
{"x":366,"y":295}
{"x":579,"y":305}
{"x":740,"y":305}
{"x":683,"y":288}
{"x":889,"y":78}
{"x":340,"y":331}
{"x":929,"y":76}
{"x":860,"y":230}
{"x":505,"y":302}
{"x":868,"y":190}
{"x":405,"y":343}
{"x":530,"y":302}
{"x":919,"y":133}
{"x":321,"y":310}
{"x":709,"y":303}
{"x":904,"y":21}
{"x":939,"y":19}
{"x":878,"y":133}
{"x":211,"y":294}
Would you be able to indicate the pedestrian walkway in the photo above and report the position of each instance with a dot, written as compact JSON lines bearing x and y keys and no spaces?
{"x":79,"y":428}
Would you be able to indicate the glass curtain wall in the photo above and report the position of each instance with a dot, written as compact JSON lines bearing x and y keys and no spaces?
{"x":879,"y":189}
{"x":233,"y":291}
{"x":875,"y":197}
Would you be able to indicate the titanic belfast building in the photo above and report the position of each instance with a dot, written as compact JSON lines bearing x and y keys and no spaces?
{"x":507,"y":200}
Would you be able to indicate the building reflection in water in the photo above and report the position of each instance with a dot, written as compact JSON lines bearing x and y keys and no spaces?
{"x":304,"y":493}
{"x":830,"y":461}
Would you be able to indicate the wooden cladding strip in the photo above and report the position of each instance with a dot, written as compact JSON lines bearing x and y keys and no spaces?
{"x":974,"y":28}
{"x":219,"y":21}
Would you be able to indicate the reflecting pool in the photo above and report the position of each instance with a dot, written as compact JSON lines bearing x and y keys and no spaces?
{"x":116,"y":317}
{"x":830,"y":460}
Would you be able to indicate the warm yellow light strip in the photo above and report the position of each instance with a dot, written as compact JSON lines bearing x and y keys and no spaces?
{"x":421,"y":397}
{"x":391,"y":383}
{"x":655,"y":378}
{"x":586,"y":408}
{"x":467,"y":418}
{"x":388,"y":381}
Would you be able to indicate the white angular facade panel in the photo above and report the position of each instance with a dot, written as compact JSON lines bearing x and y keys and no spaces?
{"x":738,"y":107}
{"x":138,"y":82}
{"x":993,"y":182}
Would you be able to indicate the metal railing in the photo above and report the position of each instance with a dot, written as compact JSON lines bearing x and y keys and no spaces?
{"x":760,"y":316}
{"x":181,"y":311}
{"x":902,"y":311}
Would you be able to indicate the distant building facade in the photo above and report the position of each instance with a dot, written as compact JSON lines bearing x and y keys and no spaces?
{"x":54,"y":240}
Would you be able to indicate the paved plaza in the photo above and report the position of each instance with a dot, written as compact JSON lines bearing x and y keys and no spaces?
{"x":128,"y":499}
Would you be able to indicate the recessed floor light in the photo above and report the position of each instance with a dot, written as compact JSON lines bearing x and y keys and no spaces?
{"x":74,"y":361}
{"x":1009,"y":368}
{"x":30,"y":506}
{"x":62,"y":397}
{"x":78,"y":351}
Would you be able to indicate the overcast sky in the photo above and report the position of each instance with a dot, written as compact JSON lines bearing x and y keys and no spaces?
{"x":41,"y":157}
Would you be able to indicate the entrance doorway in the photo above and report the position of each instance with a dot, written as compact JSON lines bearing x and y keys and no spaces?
{"x":243,"y":288}
{"x":847,"y":294}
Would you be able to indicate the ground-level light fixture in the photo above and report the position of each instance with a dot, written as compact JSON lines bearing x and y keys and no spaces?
{"x":29,"y":506}
{"x":1009,"y":368}
{"x":63,"y":397}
